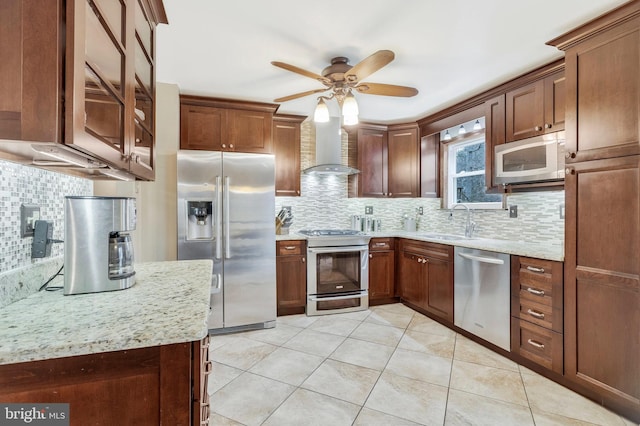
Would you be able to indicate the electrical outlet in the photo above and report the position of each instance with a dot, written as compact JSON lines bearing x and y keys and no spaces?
{"x":513,"y":211}
{"x":420,"y":211}
{"x":287,"y":209}
{"x":368,"y":210}
{"x":561,"y":209}
{"x":29,"y":213}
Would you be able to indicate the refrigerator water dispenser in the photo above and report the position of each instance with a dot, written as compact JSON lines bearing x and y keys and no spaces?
{"x":199,"y":220}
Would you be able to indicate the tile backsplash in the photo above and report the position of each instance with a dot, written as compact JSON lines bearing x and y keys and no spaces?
{"x":324,"y":203}
{"x":28,"y":185}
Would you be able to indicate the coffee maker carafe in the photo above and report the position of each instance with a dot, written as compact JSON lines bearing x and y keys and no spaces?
{"x":98,"y":252}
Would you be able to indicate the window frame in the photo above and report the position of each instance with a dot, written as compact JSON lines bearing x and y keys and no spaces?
{"x":449,"y":200}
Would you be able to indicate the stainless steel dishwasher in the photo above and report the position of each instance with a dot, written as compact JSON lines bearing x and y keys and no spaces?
{"x":482,"y":294}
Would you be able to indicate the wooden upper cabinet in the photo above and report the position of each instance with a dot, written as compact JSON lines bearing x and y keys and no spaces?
{"x":225,"y":125}
{"x":388,"y":160}
{"x":429,"y":166}
{"x":403,"y":161}
{"x":249,"y":131}
{"x":535,"y":108}
{"x":603,"y":84}
{"x":202,"y":127}
{"x":286,"y":147}
{"x":494,"y":135}
{"x":82,"y":74}
{"x":372,"y":161}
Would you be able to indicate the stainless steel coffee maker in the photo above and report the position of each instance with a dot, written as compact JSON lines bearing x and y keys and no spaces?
{"x":98,"y":250}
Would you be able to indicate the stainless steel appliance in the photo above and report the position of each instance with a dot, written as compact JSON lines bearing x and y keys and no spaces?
{"x":337,"y":271}
{"x":540,"y":158}
{"x":226,"y":203}
{"x":98,"y":252}
{"x":482,"y":294}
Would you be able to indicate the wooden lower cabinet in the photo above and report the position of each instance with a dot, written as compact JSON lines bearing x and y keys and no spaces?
{"x":291,"y":276}
{"x":425,"y":276}
{"x":536,"y":311}
{"x":382,"y":271}
{"x":147,"y":386}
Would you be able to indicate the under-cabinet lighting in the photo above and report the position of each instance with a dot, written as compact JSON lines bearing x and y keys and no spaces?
{"x":118,"y":174}
{"x":64,"y":156}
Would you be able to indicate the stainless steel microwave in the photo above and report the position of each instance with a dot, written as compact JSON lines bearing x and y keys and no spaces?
{"x":536,"y":159}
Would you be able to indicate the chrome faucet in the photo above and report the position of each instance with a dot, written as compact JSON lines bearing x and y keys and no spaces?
{"x":470,"y":226}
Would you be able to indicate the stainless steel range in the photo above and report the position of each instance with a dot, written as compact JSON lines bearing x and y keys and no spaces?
{"x":337,"y":271}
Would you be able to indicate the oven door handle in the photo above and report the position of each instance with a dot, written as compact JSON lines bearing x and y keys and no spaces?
{"x":349,"y":296}
{"x":336,"y":249}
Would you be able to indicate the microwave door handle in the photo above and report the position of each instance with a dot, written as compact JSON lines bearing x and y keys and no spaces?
{"x":218,"y":224}
{"x":227,"y":238}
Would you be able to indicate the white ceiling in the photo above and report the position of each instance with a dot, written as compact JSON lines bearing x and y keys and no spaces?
{"x":448,"y":49}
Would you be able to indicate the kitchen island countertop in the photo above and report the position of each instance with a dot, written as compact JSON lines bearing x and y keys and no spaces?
{"x":168,"y":304}
{"x":520,"y":248}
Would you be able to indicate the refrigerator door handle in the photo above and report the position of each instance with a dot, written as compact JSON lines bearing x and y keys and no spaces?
{"x":218,"y":230}
{"x":216,"y":283}
{"x":227,"y":237}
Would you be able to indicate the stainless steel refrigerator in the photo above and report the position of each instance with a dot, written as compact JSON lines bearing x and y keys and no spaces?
{"x":226,"y":205}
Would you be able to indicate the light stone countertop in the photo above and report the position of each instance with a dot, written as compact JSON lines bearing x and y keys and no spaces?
{"x":520,"y":248}
{"x":168,"y":304}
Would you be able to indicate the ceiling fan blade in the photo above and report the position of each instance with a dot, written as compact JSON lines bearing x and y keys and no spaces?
{"x":299,"y":95}
{"x":369,"y":65}
{"x":300,"y":71}
{"x":386,"y":90}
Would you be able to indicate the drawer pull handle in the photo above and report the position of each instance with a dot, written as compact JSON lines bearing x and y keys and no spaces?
{"x":536,"y":344}
{"x":290,"y":247}
{"x":535,"y":314}
{"x":380,"y":244}
{"x":534,"y":269}
{"x":536,"y":292}
{"x":208,"y":366}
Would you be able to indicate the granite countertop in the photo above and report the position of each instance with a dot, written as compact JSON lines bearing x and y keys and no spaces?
{"x":168,"y":304}
{"x":520,"y":248}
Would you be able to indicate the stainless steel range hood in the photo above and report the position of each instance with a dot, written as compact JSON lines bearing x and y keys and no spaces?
{"x":329,"y":150}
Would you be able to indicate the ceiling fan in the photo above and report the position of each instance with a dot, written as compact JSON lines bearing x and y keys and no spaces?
{"x":341,"y":78}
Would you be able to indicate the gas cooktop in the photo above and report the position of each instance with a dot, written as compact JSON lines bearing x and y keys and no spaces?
{"x":335,"y":237}
{"x":329,"y":232}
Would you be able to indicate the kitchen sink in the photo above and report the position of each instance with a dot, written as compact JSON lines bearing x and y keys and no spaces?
{"x":445,"y":237}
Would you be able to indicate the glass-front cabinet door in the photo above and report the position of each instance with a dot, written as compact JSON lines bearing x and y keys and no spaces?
{"x":110,"y":70}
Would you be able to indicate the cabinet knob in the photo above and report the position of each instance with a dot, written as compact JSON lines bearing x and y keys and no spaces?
{"x":303,"y":260}
{"x":548,"y":126}
{"x":231,"y":145}
{"x":569,"y":171}
{"x":569,"y":155}
{"x":370,"y":256}
{"x":538,"y":128}
{"x":224,"y":145}
{"x":298,"y":192}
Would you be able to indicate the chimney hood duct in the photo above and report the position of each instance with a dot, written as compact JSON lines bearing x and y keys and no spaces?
{"x":329,"y":150}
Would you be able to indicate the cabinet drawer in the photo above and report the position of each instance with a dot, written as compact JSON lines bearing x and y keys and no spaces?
{"x":537,"y":313}
{"x":381,"y":244}
{"x":432,"y":250}
{"x":537,"y":281}
{"x":537,"y":344}
{"x":291,"y":247}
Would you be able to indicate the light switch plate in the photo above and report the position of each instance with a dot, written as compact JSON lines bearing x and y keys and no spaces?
{"x":29,"y":213}
{"x":513,"y":211}
{"x":368,"y":210}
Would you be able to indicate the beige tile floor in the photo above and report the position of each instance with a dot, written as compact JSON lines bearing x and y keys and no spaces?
{"x":386,"y":366}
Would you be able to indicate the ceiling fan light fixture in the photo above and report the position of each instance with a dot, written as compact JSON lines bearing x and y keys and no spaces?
{"x":321,"y":114}
{"x":349,"y":105}
{"x":462,"y":130}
